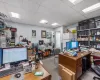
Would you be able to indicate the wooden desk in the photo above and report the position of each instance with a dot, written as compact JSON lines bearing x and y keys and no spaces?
{"x":74,"y":63}
{"x":31,"y":76}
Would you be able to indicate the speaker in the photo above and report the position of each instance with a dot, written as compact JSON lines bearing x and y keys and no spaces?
{"x":27,"y":69}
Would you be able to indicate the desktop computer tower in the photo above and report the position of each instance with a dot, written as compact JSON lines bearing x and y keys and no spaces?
{"x":84,"y":64}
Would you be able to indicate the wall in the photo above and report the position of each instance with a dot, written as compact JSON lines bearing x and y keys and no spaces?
{"x":71,"y":27}
{"x":26,"y":31}
{"x":63,"y":29}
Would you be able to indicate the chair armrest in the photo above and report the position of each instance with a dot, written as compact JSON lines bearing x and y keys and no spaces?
{"x":97,"y":61}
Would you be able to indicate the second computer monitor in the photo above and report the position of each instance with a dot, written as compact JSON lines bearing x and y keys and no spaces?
{"x":14,"y":55}
{"x":72,"y":45}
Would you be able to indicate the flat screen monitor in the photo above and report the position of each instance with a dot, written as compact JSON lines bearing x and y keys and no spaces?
{"x":72,"y":45}
{"x":0,"y":57}
{"x":12,"y":55}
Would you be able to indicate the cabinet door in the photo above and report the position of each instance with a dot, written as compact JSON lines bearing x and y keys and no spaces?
{"x":74,"y":75}
{"x":60,"y":69}
{"x":79,"y":71}
{"x":66,"y":75}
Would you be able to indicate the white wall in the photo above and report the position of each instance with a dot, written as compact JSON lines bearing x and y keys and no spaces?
{"x":26,"y":31}
{"x":71,"y":27}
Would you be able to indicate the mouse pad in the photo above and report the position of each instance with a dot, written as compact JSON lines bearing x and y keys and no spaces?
{"x":20,"y":78}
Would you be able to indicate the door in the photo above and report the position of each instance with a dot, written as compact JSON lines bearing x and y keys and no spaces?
{"x":58,"y":40}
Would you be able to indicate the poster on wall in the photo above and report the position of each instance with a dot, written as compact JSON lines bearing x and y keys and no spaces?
{"x":33,"y":33}
{"x":43,"y":34}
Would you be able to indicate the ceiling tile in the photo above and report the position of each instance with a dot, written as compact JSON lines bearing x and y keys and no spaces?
{"x":61,"y":8}
{"x":17,"y":3}
{"x":3,"y":9}
{"x":67,"y":2}
{"x":93,"y":14}
{"x":11,"y":8}
{"x":29,"y":5}
{"x":51,"y":15}
{"x":53,"y":4}
{"x":38,"y":1}
{"x":84,"y":4}
{"x":60,"y":11}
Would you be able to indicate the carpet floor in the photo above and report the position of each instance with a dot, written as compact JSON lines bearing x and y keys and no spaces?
{"x":52,"y":68}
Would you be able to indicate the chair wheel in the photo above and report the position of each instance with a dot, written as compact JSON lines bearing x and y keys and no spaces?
{"x":94,"y":78}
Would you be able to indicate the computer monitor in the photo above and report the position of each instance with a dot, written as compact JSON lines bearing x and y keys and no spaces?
{"x":0,"y":56}
{"x":72,"y":45}
{"x":12,"y":55}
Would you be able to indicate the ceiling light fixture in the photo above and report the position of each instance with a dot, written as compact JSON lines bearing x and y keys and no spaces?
{"x":55,"y":24}
{"x":44,"y":21}
{"x":15,"y":15}
{"x":75,"y":1}
{"x":92,"y":8}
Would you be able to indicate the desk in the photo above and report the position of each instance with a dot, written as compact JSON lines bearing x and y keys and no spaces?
{"x":74,"y":63}
{"x":31,"y":76}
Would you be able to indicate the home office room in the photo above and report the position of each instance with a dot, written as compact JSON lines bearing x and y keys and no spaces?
{"x":49,"y":39}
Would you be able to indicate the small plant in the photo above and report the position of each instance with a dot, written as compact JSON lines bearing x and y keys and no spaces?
{"x":74,"y":31}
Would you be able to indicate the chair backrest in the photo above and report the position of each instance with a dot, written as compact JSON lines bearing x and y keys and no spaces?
{"x":56,"y":51}
{"x":96,"y":60}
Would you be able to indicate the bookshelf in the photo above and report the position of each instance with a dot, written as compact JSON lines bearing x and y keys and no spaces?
{"x":88,"y":33}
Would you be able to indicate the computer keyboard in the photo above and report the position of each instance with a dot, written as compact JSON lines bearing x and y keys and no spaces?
{"x":10,"y":71}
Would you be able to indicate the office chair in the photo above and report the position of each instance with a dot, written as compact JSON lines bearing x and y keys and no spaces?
{"x":96,"y":68}
{"x":56,"y":55}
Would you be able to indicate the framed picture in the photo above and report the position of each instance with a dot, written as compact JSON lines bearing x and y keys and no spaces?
{"x":43,"y":34}
{"x":48,"y":34}
{"x":33,"y":33}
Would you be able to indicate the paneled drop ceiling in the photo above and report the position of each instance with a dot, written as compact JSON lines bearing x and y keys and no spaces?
{"x":60,"y":11}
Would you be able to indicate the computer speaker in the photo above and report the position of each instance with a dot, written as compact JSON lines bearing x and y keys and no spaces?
{"x":27,"y":69}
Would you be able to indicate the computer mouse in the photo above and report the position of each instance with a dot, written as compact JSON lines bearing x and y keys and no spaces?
{"x":18,"y":75}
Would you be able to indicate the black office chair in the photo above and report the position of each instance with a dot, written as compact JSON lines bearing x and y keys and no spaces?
{"x":96,"y":68}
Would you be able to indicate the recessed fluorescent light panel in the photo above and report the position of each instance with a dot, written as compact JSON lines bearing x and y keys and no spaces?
{"x":43,"y":21}
{"x":15,"y":15}
{"x":75,"y":1}
{"x":92,"y":8}
{"x":55,"y":24}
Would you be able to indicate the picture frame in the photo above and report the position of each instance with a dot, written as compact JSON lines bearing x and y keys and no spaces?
{"x":48,"y":34}
{"x":43,"y":34}
{"x":33,"y":33}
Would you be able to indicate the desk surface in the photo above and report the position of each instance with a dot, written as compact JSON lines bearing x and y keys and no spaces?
{"x":80,"y":55}
{"x":31,"y":76}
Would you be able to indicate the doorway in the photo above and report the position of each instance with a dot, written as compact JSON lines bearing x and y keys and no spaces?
{"x":58,"y":39}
